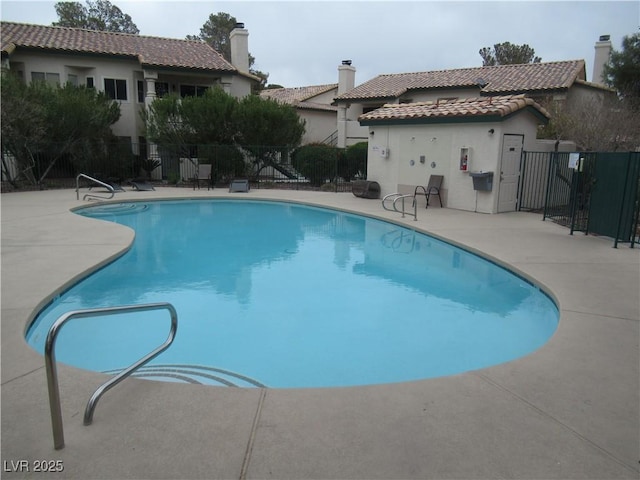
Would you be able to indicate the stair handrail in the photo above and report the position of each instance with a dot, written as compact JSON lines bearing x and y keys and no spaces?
{"x":51,"y":370}
{"x":90,"y":195}
{"x":399,"y":196}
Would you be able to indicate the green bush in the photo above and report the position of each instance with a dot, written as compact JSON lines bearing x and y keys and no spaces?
{"x":316,"y":161}
{"x":353,"y":162}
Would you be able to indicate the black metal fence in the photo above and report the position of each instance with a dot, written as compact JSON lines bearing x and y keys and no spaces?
{"x":591,"y":192}
{"x":264,"y":166}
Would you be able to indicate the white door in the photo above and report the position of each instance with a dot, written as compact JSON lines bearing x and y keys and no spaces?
{"x":509,"y":172}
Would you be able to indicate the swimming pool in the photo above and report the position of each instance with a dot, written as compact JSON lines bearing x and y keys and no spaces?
{"x":287,"y":295}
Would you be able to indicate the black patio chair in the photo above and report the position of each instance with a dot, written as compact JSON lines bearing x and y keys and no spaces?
{"x":432,"y":188}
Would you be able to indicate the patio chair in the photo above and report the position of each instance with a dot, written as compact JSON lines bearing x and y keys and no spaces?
{"x":113,"y":182}
{"x":203,"y":174}
{"x":432,"y":188}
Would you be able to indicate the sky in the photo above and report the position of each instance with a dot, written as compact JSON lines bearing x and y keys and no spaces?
{"x":302,"y":43}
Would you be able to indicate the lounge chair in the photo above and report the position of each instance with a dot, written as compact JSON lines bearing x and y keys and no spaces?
{"x":113,"y":182}
{"x":141,"y":184}
{"x":203,"y":174}
{"x":239,"y":185}
{"x":432,"y":188}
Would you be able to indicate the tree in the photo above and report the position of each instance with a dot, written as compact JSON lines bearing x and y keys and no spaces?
{"x":508,"y":54}
{"x":22,"y":126}
{"x":261,"y":128}
{"x":216,"y":32}
{"x":98,"y":15}
{"x":605,"y":124}
{"x":622,"y":72}
{"x":42,"y":123}
{"x":266,"y":128}
{"x":206,"y":119}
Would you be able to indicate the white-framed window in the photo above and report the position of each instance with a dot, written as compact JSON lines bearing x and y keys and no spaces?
{"x":49,"y":77}
{"x":90,"y":82}
{"x":115,"y":88}
{"x":72,"y":78}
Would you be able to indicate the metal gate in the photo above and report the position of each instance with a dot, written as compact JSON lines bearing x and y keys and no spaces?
{"x":600,"y":194}
{"x":615,"y":195}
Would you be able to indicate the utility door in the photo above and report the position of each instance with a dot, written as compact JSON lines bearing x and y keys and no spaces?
{"x":509,"y":172}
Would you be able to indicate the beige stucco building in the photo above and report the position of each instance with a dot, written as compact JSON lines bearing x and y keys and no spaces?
{"x":131,"y":69}
{"x":458,"y":139}
{"x":562,"y":82}
{"x":313,"y":104}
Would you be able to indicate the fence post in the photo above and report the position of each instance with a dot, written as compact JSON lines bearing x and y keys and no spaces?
{"x":622,"y":202}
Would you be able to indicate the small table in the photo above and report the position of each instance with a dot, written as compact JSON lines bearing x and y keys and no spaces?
{"x":239,"y":185}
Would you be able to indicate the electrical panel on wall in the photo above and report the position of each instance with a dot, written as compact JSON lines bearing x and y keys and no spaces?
{"x":465,"y":159}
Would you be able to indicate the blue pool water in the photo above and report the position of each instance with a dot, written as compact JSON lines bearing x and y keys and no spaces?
{"x":286,"y":295}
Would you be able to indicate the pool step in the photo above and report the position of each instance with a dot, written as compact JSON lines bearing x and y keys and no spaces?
{"x":196,"y":374}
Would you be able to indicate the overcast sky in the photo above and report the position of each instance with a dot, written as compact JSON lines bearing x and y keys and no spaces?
{"x":301,"y":43}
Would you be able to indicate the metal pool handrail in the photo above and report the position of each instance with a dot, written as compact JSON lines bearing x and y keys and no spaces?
{"x":399,"y":196}
{"x":50,"y":361}
{"x":89,"y":195}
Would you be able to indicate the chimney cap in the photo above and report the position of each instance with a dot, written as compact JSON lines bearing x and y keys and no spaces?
{"x":605,"y":38}
{"x":239,"y":25}
{"x":346,"y":62}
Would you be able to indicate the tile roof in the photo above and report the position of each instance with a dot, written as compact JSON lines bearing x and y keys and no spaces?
{"x":502,"y":79}
{"x":478,"y":108}
{"x":300,"y":96}
{"x":149,"y":51}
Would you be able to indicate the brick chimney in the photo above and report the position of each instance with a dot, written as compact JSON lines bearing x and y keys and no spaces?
{"x":239,"y":40}
{"x":601,"y":58}
{"x":346,"y":77}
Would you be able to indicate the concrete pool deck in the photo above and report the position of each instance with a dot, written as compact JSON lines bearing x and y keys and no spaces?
{"x":569,"y":410}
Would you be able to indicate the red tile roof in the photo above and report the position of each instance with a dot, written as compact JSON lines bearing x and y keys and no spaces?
{"x":149,"y":51}
{"x":502,"y":79}
{"x":300,"y":96}
{"x":488,"y":107}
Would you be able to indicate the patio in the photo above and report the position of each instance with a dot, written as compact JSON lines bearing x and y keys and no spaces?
{"x":569,"y":410}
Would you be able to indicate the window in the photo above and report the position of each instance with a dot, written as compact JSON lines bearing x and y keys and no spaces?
{"x":72,"y":79}
{"x":162,"y":89}
{"x":52,"y":78}
{"x":115,"y":89}
{"x":140,"y":91}
{"x":90,"y":83}
{"x":192,"y":90}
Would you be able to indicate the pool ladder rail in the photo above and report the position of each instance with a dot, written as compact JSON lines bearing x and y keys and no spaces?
{"x":395,"y":197}
{"x":50,"y":361}
{"x":90,"y":195}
